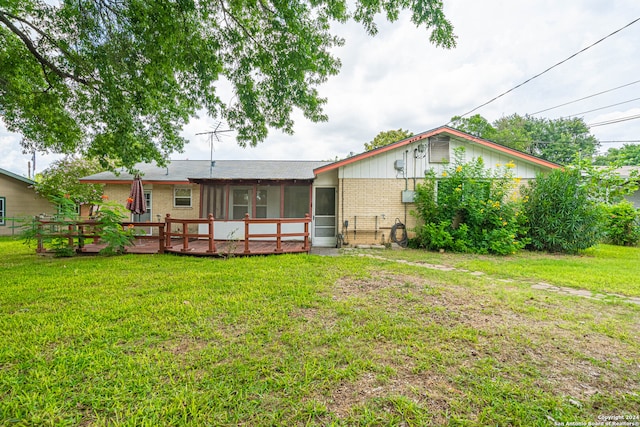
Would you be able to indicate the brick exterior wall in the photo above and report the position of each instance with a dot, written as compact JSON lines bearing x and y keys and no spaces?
{"x":371,"y":206}
{"x":361,"y":200}
{"x":161,"y":201}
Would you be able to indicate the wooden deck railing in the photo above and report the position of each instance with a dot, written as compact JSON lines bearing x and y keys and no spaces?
{"x":77,"y":232}
{"x":278,"y":235}
{"x":185,"y":235}
{"x":174,"y":230}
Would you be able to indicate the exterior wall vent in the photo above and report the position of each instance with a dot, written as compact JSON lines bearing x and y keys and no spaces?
{"x":439,"y":149}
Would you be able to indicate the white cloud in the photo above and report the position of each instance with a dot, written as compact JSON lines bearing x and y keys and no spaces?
{"x":397,"y":79}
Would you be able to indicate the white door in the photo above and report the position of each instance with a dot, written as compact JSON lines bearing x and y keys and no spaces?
{"x":324,"y":217}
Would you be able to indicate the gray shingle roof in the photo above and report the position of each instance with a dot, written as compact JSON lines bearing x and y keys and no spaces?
{"x":183,"y":170}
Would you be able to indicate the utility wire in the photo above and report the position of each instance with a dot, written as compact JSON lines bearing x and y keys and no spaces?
{"x":613,"y":121}
{"x":586,"y":97}
{"x":549,"y":69}
{"x":601,"y":108}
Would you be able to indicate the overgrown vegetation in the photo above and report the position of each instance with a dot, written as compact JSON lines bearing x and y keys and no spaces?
{"x":473,"y":208}
{"x":622,"y":224}
{"x":469,"y":208}
{"x":308,"y":340}
{"x":561,"y":215}
{"x":55,"y":235}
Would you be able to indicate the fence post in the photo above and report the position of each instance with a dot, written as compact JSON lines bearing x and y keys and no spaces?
{"x":185,"y":238}
{"x":279,"y":236}
{"x":307,"y":220}
{"x":246,"y":233}
{"x":161,"y":237}
{"x":212,"y":242}
{"x":40,"y":248}
{"x":167,"y":221}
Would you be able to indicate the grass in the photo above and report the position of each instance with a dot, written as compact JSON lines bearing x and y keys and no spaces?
{"x":604,"y":268}
{"x":306,"y":340}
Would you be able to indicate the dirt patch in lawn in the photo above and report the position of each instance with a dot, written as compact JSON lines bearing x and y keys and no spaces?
{"x":568,"y":348}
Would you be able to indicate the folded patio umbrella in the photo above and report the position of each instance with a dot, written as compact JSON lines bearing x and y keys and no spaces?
{"x":136,"y":202}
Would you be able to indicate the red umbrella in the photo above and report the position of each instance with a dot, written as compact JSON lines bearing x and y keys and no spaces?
{"x":136,"y":202}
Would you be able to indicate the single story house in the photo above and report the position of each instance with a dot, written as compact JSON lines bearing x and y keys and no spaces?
{"x":356,"y":200}
{"x":18,"y":201}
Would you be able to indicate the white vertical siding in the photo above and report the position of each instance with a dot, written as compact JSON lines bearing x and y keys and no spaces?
{"x":382,"y":165}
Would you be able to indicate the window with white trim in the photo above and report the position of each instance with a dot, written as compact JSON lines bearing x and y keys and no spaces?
{"x":182,"y":197}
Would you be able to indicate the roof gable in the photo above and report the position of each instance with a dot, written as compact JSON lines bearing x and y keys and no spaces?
{"x":438,"y":131}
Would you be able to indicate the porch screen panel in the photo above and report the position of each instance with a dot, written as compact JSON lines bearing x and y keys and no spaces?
{"x":296,"y":201}
{"x":267,"y":201}
{"x":213,"y":201}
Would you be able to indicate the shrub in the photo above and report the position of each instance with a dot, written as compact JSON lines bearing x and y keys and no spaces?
{"x":561,"y":215}
{"x":622,"y":224}
{"x":468,"y":208}
{"x":55,"y":238}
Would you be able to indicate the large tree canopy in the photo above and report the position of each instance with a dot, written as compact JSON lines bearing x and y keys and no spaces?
{"x":627,"y":155}
{"x":563,"y":140}
{"x":118,"y":79}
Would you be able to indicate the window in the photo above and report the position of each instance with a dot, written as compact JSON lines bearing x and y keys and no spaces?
{"x":439,"y":149}
{"x":182,"y":197}
{"x":240,"y":203}
{"x":3,"y":210}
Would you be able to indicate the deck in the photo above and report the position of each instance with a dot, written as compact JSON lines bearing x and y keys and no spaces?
{"x":173,"y":236}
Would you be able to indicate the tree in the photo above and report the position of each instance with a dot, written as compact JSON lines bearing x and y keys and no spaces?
{"x":61,"y":180}
{"x":118,"y":79}
{"x":557,"y":140}
{"x":562,"y":217}
{"x":475,"y":125}
{"x":627,"y":155}
{"x":386,"y":138}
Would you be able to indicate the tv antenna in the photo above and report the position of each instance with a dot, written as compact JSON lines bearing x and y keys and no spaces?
{"x":215,"y":133}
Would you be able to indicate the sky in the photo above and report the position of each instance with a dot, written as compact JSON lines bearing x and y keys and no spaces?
{"x":397,"y":79}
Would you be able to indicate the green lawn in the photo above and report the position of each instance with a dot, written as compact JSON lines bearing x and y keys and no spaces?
{"x":309,"y":340}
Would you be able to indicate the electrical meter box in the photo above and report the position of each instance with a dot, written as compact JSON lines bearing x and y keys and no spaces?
{"x":408,"y":196}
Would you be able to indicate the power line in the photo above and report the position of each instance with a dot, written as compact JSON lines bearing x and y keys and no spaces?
{"x":613,"y":121}
{"x":586,"y":97}
{"x":619,"y":141}
{"x":601,"y":108}
{"x":549,"y":69}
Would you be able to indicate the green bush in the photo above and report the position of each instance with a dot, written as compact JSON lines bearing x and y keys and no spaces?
{"x":54,"y":238}
{"x":622,"y":226}
{"x":469,"y":208}
{"x":562,"y":217}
